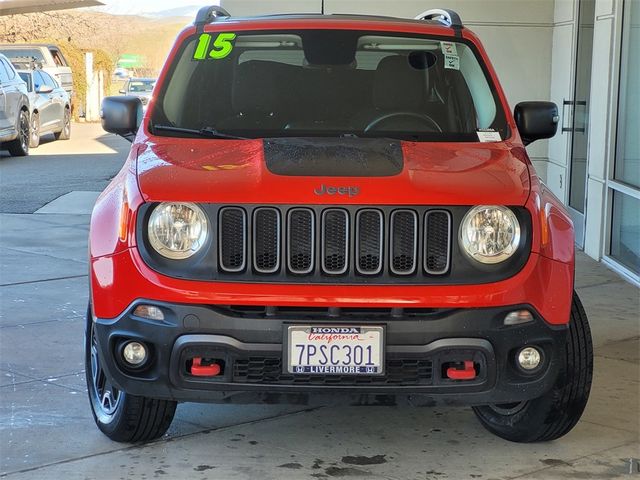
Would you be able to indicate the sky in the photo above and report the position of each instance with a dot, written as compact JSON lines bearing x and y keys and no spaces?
{"x":136,"y":7}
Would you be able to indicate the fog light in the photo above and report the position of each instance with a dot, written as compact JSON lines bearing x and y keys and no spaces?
{"x":518,"y":317}
{"x":529,"y":358}
{"x":134,"y":353}
{"x":149,"y":311}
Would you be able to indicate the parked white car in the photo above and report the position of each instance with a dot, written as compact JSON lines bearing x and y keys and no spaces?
{"x":49,"y":57}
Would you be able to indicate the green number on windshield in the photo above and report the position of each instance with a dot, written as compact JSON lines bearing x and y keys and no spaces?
{"x":222,"y":46}
{"x":203,"y":46}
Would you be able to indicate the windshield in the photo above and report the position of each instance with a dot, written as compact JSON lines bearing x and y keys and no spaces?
{"x":32,"y":53}
{"x":138,"y":86}
{"x":330,"y":83}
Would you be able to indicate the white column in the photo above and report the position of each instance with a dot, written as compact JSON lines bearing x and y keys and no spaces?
{"x":602,"y":121}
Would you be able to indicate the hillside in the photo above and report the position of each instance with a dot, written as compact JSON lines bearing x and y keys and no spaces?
{"x":115,"y":34}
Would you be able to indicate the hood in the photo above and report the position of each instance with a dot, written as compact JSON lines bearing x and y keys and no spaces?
{"x":332,"y":171}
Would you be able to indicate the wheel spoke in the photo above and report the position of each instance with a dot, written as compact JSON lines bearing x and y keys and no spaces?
{"x":106,"y":394}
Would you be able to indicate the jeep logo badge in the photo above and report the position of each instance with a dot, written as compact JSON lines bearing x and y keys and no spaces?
{"x":350,"y":191}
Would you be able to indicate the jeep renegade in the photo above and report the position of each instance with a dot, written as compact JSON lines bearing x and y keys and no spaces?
{"x":333,"y":208}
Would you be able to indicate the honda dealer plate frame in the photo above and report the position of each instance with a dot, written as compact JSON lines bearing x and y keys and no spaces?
{"x":334,"y":349}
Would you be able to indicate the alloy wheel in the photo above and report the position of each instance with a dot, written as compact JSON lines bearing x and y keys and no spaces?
{"x":67,"y":123}
{"x":24,"y":131}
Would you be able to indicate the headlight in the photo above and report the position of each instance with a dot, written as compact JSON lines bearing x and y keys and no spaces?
{"x":490,"y":234}
{"x":177,"y":230}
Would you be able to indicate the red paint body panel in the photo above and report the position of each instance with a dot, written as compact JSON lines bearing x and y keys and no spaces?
{"x":232,"y":171}
{"x":123,"y":278}
{"x":200,"y":170}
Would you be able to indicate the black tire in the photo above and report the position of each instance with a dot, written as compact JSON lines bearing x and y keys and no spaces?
{"x":19,"y":147}
{"x":65,"y":133}
{"x":557,"y":412}
{"x":120,"y":416}
{"x":34,"y":136}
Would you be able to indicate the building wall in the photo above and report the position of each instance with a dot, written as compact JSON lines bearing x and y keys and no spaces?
{"x":561,"y":89}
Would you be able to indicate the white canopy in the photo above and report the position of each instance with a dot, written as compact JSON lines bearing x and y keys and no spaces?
{"x":11,"y":7}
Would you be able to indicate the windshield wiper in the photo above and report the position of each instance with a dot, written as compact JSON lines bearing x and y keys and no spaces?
{"x":208,"y":132}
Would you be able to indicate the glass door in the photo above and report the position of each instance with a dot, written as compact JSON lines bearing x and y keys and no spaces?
{"x":580,"y":118}
{"x":624,"y":179}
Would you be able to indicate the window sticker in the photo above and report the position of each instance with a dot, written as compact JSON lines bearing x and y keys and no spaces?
{"x":488,"y":135}
{"x":448,"y":48}
{"x":220,"y":48}
{"x":452,"y":62}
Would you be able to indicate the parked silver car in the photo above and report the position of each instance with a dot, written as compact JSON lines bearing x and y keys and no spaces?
{"x":50,"y":106}
{"x":49,"y":57}
{"x":14,"y":110}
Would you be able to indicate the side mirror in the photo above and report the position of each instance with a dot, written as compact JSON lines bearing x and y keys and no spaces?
{"x":44,"y":89}
{"x":121,"y":115}
{"x":123,"y":91}
{"x":536,"y":120}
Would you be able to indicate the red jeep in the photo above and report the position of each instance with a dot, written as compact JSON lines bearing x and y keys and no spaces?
{"x":333,"y":208}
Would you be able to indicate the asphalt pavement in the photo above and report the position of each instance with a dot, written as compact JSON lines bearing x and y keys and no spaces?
{"x":46,"y":429}
{"x":85,"y":163}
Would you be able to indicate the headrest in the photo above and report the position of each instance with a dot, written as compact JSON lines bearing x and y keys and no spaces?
{"x":255,"y":87}
{"x":398,"y":85}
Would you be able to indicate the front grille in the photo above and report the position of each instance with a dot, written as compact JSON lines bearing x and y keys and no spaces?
{"x":334,"y":245}
{"x":333,"y":242}
{"x":268,"y":370}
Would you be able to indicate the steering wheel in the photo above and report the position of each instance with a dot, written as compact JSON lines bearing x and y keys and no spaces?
{"x":425,"y":120}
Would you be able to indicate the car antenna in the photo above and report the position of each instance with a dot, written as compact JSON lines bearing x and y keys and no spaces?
{"x":322,"y":8}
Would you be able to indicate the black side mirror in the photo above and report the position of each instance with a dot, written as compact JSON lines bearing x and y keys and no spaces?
{"x":121,"y":115}
{"x":536,"y":120}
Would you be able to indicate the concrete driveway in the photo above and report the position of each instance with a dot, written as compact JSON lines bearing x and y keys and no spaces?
{"x":46,"y":429}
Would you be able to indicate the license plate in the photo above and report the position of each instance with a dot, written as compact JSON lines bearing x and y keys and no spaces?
{"x":331,"y":350}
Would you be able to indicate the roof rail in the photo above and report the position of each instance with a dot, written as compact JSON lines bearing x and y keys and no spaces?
{"x":210,"y":14}
{"x":448,"y":18}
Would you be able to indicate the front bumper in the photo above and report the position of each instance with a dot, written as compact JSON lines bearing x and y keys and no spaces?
{"x":249,"y":343}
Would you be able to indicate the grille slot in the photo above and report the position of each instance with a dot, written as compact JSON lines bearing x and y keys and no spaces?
{"x":369,"y":232}
{"x":232,"y":233}
{"x":437,"y":246}
{"x":266,"y":240}
{"x":300,"y":241}
{"x":404,"y":241}
{"x":268,"y":370}
{"x":335,"y":241}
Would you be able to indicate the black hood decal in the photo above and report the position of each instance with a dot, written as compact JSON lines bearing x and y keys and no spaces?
{"x":334,"y":157}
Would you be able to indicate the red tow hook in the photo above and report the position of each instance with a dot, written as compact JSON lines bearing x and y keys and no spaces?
{"x":467,"y":373}
{"x":199,"y":370}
